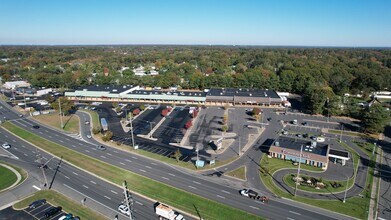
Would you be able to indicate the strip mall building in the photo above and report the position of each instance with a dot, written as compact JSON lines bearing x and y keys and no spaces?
{"x":212,"y":97}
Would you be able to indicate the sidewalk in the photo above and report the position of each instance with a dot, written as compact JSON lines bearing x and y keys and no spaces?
{"x":372,"y":212}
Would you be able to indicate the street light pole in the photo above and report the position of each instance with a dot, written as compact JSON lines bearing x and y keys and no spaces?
{"x":346,"y":189}
{"x":59,"y":106}
{"x":298,"y":170}
{"x":131,"y":129}
{"x":340,"y":138}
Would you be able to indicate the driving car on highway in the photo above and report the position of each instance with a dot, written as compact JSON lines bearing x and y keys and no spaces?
{"x":6,"y":145}
{"x":100,"y":147}
{"x":249,"y":193}
{"x":124,"y":209}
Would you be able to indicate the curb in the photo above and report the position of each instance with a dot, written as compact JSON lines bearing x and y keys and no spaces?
{"x":18,"y":177}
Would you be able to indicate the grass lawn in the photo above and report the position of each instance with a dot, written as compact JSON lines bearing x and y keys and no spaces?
{"x":357,"y":134}
{"x":366,"y":147}
{"x":239,"y":173}
{"x":177,"y":198}
{"x":57,"y":199}
{"x":71,"y":122}
{"x":7,"y":178}
{"x":355,"y":206}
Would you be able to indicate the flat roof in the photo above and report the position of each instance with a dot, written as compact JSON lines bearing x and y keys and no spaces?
{"x":339,"y":153}
{"x":104,"y":88}
{"x":295,"y":144}
{"x":176,"y":93}
{"x":243,"y":92}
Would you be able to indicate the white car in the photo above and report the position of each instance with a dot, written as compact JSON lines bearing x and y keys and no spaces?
{"x":124,"y":209}
{"x":6,"y":145}
{"x":320,"y":139}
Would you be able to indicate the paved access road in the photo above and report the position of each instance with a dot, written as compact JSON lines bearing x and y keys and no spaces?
{"x":180,"y":178}
{"x":384,"y":206}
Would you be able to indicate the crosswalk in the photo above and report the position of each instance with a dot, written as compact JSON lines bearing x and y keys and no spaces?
{"x":76,"y":136}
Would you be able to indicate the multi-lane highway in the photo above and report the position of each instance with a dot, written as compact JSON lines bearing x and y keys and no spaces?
{"x":187,"y":180}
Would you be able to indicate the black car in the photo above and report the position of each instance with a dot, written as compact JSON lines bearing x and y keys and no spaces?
{"x":36,"y":126}
{"x":37,"y":203}
{"x":53,"y":211}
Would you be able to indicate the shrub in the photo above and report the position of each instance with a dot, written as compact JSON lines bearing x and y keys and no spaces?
{"x":95,"y":130}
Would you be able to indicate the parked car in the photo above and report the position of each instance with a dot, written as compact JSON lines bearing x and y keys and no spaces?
{"x":124,"y":209}
{"x":249,"y":193}
{"x":35,"y":126}
{"x":313,"y":138}
{"x":284,"y":132}
{"x":304,"y":123}
{"x":37,"y":203}
{"x":320,"y":139}
{"x":305,"y":135}
{"x":6,"y":146}
{"x":294,"y":122}
{"x":87,"y":123}
{"x":100,"y":147}
{"x":299,"y":135}
{"x":52,"y":211}
{"x":68,"y":216}
{"x":20,"y":116}
{"x":269,"y":119}
{"x":76,"y":218}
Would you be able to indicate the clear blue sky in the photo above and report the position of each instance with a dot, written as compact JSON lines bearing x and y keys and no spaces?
{"x":239,"y":22}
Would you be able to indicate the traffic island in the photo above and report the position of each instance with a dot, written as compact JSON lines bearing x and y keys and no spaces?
{"x":239,"y":173}
{"x":9,"y":177}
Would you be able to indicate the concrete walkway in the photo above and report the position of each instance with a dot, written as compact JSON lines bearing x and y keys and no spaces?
{"x":18,"y":176}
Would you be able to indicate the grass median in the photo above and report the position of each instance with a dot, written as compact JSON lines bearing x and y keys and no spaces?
{"x":239,"y":173}
{"x":71,"y":122}
{"x":57,"y":199}
{"x":181,"y":199}
{"x":7,"y":177}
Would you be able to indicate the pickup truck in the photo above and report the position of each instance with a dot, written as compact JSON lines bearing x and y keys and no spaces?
{"x":249,"y":193}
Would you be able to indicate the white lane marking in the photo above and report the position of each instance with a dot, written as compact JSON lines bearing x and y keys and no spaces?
{"x":6,"y":136}
{"x":36,"y":187}
{"x":49,"y":136}
{"x":113,"y":192}
{"x":142,"y":170}
{"x":56,"y":135}
{"x":148,"y":167}
{"x":103,"y":156}
{"x":165,"y":178}
{"x":73,"y":146}
{"x":197,"y":182}
{"x":154,"y":164}
{"x":61,"y":141}
{"x":192,"y":187}
{"x":121,"y":163}
{"x":107,"y":197}
{"x":220,"y":196}
{"x":109,"y":154}
{"x":87,"y":151}
{"x":75,"y":173}
{"x":294,"y":212}
{"x":139,"y":203}
{"x":91,"y":198}
{"x":290,"y":218}
{"x":115,"y":151}
{"x":40,"y":132}
{"x":26,"y":155}
{"x":14,"y":141}
{"x":225,"y":191}
{"x":67,"y":139}
{"x":46,"y":131}
{"x":66,"y":177}
{"x":128,"y":160}
{"x":23,"y":146}
{"x":253,"y":207}
{"x":171,"y":174}
{"x":85,"y":186}
{"x":134,"y":157}
{"x":92,"y":182}
{"x":17,"y":149}
{"x":80,"y":144}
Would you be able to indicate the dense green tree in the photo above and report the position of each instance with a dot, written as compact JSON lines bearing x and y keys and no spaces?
{"x":375,"y":118}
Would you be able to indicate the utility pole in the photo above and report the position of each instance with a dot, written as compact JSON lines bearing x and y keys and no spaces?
{"x":24,"y":97}
{"x":298,"y":170}
{"x":328,"y":110}
{"x":59,"y":106}
{"x":340,"y":138}
{"x":131,"y":129}
{"x":128,"y":200}
{"x":346,"y":189}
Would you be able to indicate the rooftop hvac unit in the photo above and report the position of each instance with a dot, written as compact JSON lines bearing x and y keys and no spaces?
{"x":277,"y":143}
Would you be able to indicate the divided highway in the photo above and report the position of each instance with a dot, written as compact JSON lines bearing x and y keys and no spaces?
{"x":186,"y":180}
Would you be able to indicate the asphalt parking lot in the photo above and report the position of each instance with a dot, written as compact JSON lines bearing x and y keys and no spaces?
{"x":172,"y":129}
{"x":142,"y":124}
{"x":37,"y":213}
